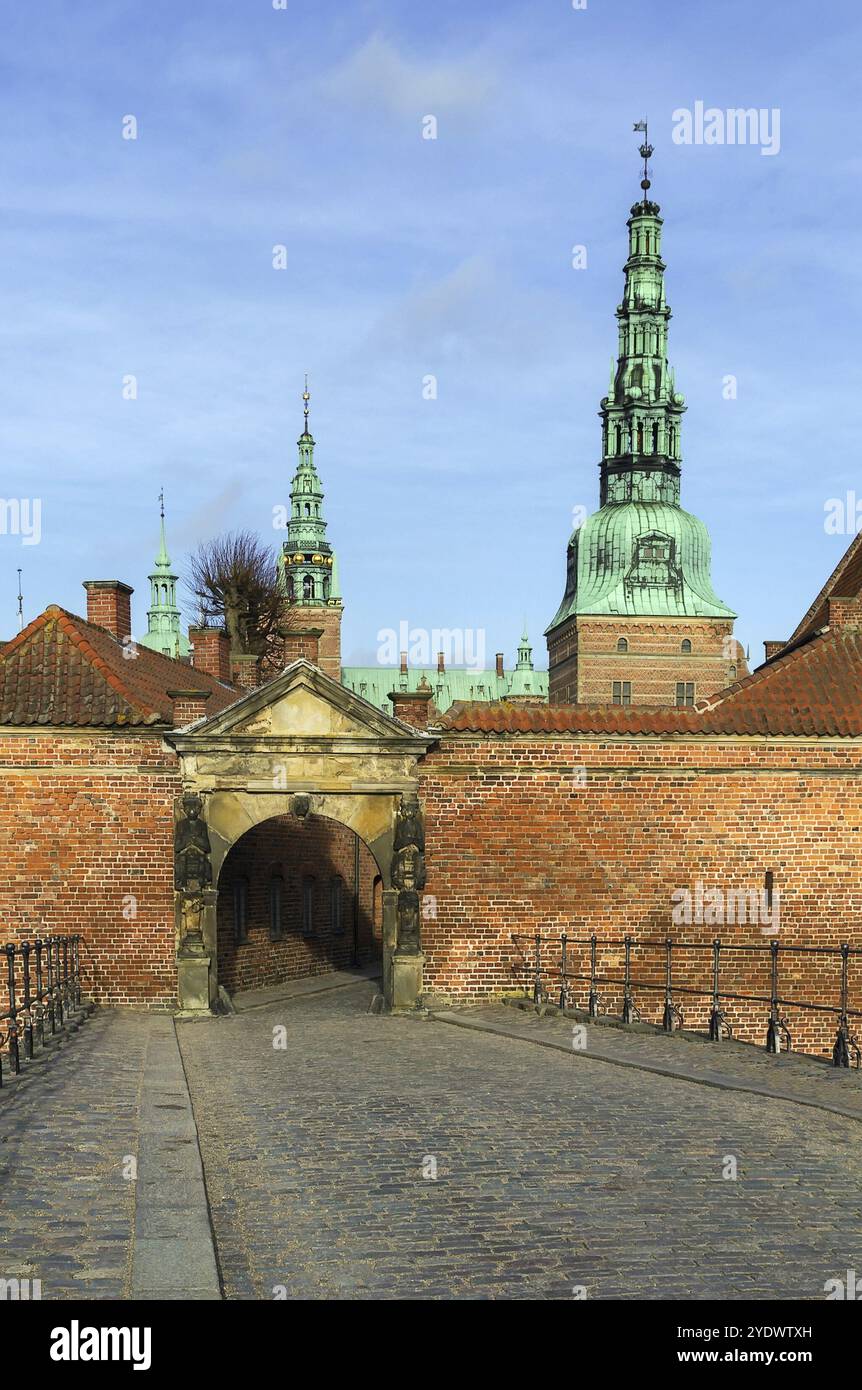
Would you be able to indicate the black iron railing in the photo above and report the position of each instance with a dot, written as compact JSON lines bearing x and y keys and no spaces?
{"x":42,"y":990}
{"x":550,"y":972}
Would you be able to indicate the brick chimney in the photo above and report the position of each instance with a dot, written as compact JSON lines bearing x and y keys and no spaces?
{"x":403,"y":663}
{"x":109,"y":605}
{"x":500,"y":671}
{"x":302,"y":642}
{"x":414,"y":706}
{"x":211,"y":651}
{"x":441,"y":663}
{"x":245,"y":670}
{"x":189,"y":705}
{"x":771,"y":649}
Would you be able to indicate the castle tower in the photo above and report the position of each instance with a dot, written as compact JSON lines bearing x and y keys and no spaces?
{"x":163,"y":616}
{"x":639,"y":622}
{"x":307,"y":564}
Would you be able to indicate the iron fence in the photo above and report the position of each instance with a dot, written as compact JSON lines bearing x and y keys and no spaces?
{"x":43,"y":990}
{"x":551,"y":970}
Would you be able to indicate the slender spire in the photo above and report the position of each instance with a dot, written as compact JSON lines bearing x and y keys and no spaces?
{"x":164,"y":633}
{"x":163,"y":560}
{"x":646,"y":152}
{"x":306,"y":397}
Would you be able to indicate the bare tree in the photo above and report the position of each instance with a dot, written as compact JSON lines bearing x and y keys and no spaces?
{"x":234,"y":579}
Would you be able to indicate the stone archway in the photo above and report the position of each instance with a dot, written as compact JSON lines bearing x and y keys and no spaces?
{"x":300,"y":744}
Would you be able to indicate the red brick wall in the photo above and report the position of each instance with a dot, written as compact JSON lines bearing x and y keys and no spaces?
{"x":583,"y":836}
{"x":584,"y":661}
{"x":87,"y":828}
{"x":329,"y":619}
{"x":294,"y":849}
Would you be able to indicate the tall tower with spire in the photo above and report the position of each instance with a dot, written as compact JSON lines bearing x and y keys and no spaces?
{"x":639,"y":622}
{"x":163,"y":632}
{"x":308,"y":567}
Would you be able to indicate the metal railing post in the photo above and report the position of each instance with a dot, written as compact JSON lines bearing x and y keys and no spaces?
{"x":841,"y":1050}
{"x":563,"y":967}
{"x":26,"y":1001}
{"x":628,"y":1003}
{"x":594,"y":994}
{"x":14,"y":1053}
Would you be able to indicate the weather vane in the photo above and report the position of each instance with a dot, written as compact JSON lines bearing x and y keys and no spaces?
{"x":162,"y":503}
{"x":645,"y":152}
{"x":306,"y":398}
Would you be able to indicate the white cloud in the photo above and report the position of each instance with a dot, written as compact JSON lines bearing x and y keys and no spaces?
{"x":377,"y":74}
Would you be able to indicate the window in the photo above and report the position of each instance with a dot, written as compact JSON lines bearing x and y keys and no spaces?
{"x":732,"y":673}
{"x":276,"y":899}
{"x":308,"y":906}
{"x":307,"y":586}
{"x":686,"y":645}
{"x":685,"y":692}
{"x":240,"y":911}
{"x":336,"y":906}
{"x":622,"y":692}
{"x":622,"y":644}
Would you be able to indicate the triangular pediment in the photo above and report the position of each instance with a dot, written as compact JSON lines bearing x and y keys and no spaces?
{"x":302,"y":703}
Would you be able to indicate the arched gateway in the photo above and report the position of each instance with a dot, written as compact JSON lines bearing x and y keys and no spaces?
{"x":300,"y":745}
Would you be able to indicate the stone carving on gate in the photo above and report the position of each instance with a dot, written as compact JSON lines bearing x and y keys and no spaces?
{"x":408,"y":872}
{"x":193,"y":873}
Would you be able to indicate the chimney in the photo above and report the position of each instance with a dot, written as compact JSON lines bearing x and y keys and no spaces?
{"x":500,"y":671}
{"x":211,"y":651}
{"x":302,"y":642}
{"x":771,"y":649}
{"x":441,"y":664}
{"x":245,"y":670}
{"x":109,"y":605}
{"x":413,"y":706}
{"x":404,"y":663}
{"x":189,"y":706}
{"x":845,"y":612}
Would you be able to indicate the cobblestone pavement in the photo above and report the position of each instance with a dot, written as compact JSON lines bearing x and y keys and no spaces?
{"x":66,"y":1210}
{"x":735,"y":1065}
{"x":553,"y":1171}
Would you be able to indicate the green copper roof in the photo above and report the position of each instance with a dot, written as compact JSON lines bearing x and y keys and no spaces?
{"x":641,"y":558}
{"x":641,"y":553}
{"x":164,"y":633}
{"x":306,"y":563}
{"x":374,"y":683}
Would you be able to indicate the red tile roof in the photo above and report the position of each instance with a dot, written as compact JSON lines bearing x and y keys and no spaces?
{"x":64,"y":671}
{"x":813,"y":691}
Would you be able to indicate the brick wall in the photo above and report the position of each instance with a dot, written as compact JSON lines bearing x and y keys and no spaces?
{"x":87,"y":824}
{"x":293,"y":850}
{"x":584,"y":660}
{"x":328,"y":619}
{"x":595,"y":835}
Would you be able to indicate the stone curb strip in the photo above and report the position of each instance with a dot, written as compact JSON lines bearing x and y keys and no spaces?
{"x":174,"y":1252}
{"x":594,"y":1054}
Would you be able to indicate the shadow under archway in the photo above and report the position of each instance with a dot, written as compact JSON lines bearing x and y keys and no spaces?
{"x":296,"y":898}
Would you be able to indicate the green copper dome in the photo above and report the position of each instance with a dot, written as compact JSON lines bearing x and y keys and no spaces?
{"x":640,"y":558}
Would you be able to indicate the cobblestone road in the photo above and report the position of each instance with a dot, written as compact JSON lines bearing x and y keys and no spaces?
{"x":552,"y":1171}
{"x":66,"y":1209}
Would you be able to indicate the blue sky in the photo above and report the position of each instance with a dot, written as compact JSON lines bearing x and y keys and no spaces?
{"x":407,"y":258}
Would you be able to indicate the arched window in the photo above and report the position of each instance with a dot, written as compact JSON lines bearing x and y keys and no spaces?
{"x":622,"y":644}
{"x":686,"y":645}
{"x":276,"y":905}
{"x":732,"y":673}
{"x":336,"y":905}
{"x":308,"y":906}
{"x":308,"y":509}
{"x":307,"y":586}
{"x":240,"y":911}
